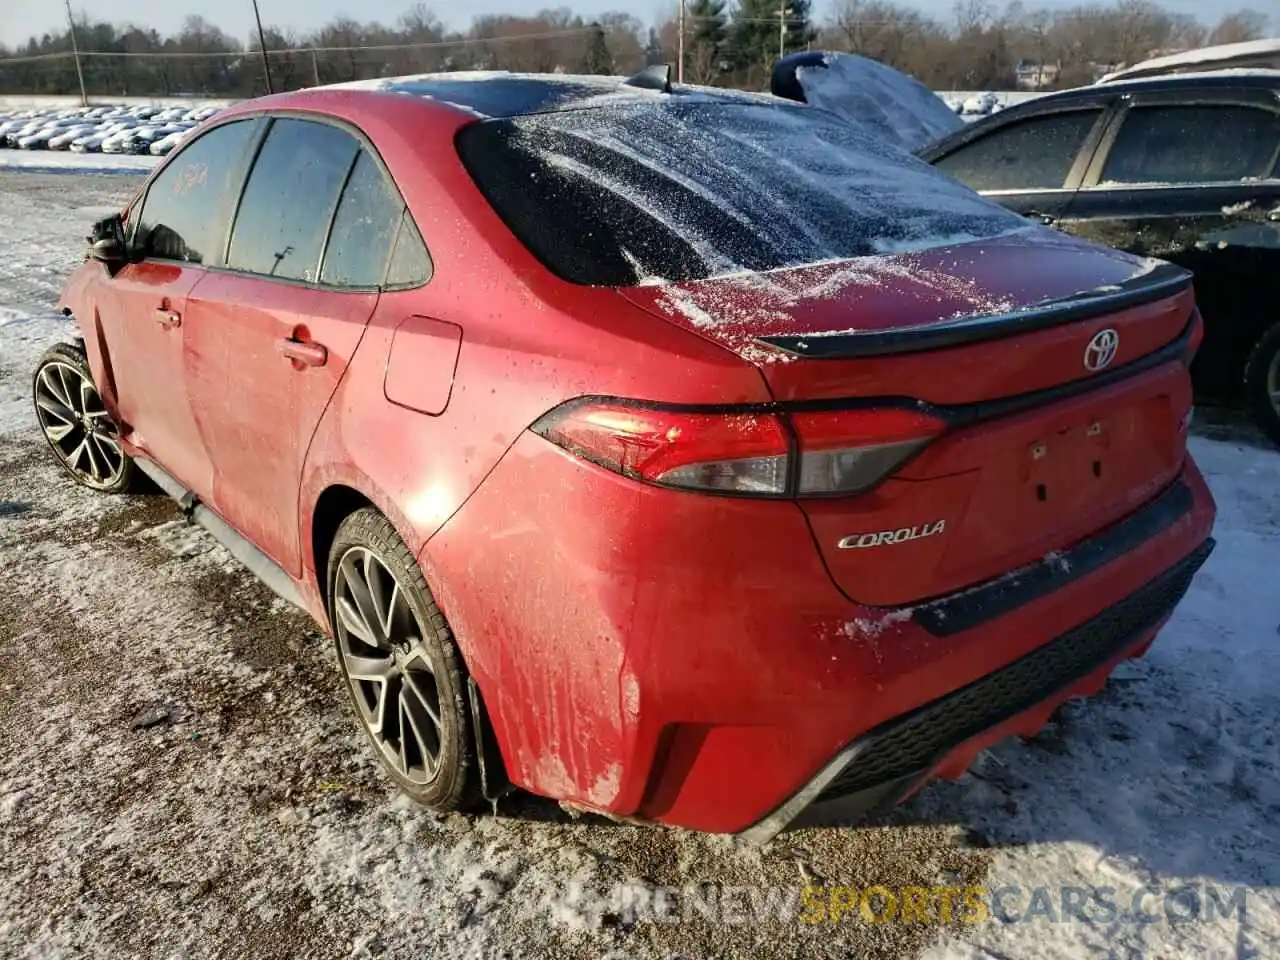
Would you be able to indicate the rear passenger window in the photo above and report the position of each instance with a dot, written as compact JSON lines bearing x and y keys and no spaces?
{"x":1033,"y":154}
{"x":185,"y":213}
{"x":290,"y":199}
{"x":410,"y":262}
{"x":363,"y":228}
{"x":1193,"y":144}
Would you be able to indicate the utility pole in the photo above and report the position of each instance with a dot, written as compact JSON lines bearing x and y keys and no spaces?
{"x":315,"y":67}
{"x":782,"y":29}
{"x":262,"y":45}
{"x":75,"y":52}
{"x":680,"y":42}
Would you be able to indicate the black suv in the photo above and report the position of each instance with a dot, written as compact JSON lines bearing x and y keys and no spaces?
{"x":1182,"y":167}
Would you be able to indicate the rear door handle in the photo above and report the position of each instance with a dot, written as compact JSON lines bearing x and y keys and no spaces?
{"x":310,"y":354}
{"x":167,"y":318}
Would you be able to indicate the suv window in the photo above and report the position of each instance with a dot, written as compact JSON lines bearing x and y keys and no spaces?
{"x":290,"y":198}
{"x":185,"y":213}
{"x":1032,"y":154}
{"x":367,"y":218}
{"x":1193,"y":144}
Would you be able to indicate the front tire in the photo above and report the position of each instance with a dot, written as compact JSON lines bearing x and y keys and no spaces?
{"x":403,"y":670}
{"x":1262,"y":383}
{"x":75,"y":422}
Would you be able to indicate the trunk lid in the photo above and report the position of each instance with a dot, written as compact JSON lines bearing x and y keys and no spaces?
{"x":994,"y":337}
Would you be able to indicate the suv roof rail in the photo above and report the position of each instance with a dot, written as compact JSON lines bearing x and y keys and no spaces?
{"x":1261,"y":54}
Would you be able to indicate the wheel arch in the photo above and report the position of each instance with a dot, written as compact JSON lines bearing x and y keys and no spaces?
{"x":335,"y":503}
{"x":327,"y":497}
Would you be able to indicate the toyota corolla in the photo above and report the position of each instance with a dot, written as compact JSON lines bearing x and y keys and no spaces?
{"x":678,"y":454}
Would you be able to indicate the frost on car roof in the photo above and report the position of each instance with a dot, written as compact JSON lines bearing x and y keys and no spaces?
{"x":502,"y":94}
{"x":678,"y":190}
{"x":1251,"y":53}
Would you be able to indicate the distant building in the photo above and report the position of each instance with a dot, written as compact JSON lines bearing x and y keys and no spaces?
{"x":1034,"y":75}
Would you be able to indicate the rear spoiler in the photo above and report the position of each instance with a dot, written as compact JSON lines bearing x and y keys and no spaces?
{"x":1166,"y":280}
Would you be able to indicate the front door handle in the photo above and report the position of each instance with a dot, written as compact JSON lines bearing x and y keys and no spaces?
{"x":308,"y":354}
{"x":1047,"y":219}
{"x":167,"y":318}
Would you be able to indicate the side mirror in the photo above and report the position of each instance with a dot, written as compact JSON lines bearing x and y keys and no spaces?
{"x":107,"y":250}
{"x":107,"y":242}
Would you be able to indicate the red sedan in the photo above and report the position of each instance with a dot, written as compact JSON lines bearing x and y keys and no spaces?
{"x":679,"y":454}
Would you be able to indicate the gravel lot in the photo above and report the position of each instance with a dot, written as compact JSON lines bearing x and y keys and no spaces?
{"x":179,"y":776}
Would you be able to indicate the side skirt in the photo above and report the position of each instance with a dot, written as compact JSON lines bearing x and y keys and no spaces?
{"x":258,"y":563}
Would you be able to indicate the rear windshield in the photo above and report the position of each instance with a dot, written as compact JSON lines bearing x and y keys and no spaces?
{"x":641,"y":192}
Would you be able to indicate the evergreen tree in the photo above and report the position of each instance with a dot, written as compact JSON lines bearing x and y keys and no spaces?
{"x":653,"y":51}
{"x":597,"y":58}
{"x":755,"y":37}
{"x":706,"y":40}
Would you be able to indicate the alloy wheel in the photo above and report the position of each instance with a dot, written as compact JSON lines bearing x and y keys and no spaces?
{"x":386,"y":664}
{"x":77,"y":424}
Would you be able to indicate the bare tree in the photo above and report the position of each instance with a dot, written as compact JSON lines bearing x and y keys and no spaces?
{"x":1240,"y":26}
{"x":884,"y":31}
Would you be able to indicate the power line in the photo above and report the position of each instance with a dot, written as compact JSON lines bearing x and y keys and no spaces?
{"x":281,"y":51}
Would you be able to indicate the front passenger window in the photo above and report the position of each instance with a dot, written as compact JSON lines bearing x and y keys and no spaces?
{"x":1032,"y":154}
{"x":185,"y":212}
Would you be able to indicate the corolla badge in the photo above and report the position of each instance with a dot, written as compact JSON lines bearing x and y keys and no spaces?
{"x":1101,"y":349}
{"x":860,"y":541}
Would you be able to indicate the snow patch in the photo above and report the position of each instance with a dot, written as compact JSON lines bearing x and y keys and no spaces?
{"x":869,"y":628}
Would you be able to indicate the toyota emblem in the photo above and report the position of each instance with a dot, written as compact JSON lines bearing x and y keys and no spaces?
{"x":1101,"y":350}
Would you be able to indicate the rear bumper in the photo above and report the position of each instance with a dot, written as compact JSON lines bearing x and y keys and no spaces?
{"x":689,"y":660}
{"x":892,"y":761}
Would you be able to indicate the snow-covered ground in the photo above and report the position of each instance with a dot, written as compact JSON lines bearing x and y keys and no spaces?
{"x":179,"y":777}
{"x":51,"y":161}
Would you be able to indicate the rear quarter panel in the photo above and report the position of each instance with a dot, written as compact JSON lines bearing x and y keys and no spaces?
{"x":529,"y":342}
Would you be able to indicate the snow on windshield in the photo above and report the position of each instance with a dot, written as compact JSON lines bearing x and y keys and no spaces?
{"x":691,"y":189}
{"x":880,"y":99}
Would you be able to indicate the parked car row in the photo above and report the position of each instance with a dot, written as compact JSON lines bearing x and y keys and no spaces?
{"x":101,"y":129}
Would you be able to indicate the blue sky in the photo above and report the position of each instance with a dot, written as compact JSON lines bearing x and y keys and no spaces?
{"x":19,"y":19}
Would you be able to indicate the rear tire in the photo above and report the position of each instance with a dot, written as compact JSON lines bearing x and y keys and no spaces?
{"x":1262,"y":383}
{"x":403,"y":670}
{"x":75,"y":422}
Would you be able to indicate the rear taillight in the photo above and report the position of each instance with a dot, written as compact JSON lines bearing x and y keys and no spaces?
{"x":850,"y":451}
{"x":729,"y":453}
{"x":821,"y":453}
